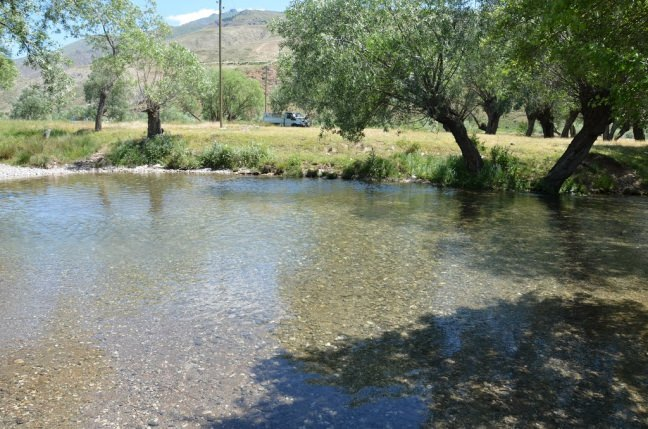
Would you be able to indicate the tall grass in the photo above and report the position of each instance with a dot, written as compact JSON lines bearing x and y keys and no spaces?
{"x":220,"y":156}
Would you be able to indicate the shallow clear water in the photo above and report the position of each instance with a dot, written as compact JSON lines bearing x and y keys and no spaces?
{"x":202,"y":301}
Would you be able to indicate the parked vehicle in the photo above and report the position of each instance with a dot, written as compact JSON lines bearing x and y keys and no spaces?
{"x":287,"y":119}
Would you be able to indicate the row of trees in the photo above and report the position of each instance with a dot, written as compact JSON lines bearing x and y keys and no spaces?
{"x":134,"y":68}
{"x":366,"y":62}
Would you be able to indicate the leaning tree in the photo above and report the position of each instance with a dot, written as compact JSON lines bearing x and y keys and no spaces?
{"x":363,"y":62}
{"x":598,"y":51}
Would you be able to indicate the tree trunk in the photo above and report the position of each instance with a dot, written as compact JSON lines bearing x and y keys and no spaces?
{"x":624,"y":129}
{"x":638,"y":132}
{"x":101,"y":110}
{"x":469,"y":151}
{"x":569,"y":123}
{"x":546,"y":118}
{"x":531,"y":120}
{"x":493,"y":122}
{"x":609,"y":132}
{"x":480,"y":125}
{"x":596,"y":118}
{"x":491,"y":108}
{"x":154,"y":123}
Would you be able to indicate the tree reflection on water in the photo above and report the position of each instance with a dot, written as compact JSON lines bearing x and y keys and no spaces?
{"x":576,"y":362}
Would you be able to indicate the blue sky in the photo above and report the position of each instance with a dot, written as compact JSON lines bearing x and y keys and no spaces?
{"x":180,"y":12}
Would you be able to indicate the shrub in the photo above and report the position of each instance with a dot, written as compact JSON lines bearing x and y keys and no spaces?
{"x":221,"y":156}
{"x":252,"y":156}
{"x":182,"y":159}
{"x":39,"y":160}
{"x":372,"y":168}
{"x":145,"y":152}
{"x":293,"y":168}
{"x":217,"y":157}
{"x":407,"y":147}
{"x":7,"y":150}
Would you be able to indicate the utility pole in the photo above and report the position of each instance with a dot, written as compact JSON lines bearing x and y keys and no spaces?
{"x":220,"y":60}
{"x":265,"y":91}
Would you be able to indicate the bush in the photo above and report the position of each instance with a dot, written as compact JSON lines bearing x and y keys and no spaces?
{"x":39,"y":160}
{"x":374,"y":168}
{"x":31,"y":104}
{"x":252,"y":156}
{"x":182,"y":159}
{"x":217,"y":157}
{"x":503,"y":170}
{"x":408,"y":147}
{"x":293,"y":168}
{"x":7,"y":150}
{"x":221,"y":156}
{"x":146,"y":152}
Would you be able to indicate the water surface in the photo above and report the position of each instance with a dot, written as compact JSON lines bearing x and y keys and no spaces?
{"x":201,"y":301}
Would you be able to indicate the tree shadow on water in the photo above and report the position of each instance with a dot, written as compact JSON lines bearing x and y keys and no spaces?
{"x":552,"y":362}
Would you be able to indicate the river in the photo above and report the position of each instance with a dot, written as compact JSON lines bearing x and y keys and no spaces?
{"x":192,"y":301}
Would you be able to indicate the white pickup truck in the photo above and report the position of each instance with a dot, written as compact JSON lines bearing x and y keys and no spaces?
{"x":287,"y":119}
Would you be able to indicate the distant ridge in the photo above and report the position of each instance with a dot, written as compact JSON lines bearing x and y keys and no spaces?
{"x":246,"y":40}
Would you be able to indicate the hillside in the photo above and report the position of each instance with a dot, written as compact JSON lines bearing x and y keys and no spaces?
{"x":246,"y":41}
{"x":246,"y":38}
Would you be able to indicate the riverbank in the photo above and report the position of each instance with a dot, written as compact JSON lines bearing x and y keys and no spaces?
{"x":512,"y":162}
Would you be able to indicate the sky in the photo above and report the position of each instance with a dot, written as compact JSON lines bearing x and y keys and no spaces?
{"x":181,"y":12}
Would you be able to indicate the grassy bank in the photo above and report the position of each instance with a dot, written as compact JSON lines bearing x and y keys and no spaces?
{"x":512,"y":161}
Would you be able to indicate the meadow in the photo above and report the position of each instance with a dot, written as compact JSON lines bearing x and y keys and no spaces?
{"x":512,"y":161}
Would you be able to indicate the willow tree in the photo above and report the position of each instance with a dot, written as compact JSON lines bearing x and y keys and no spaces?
{"x":597,"y":50}
{"x":25,"y":28}
{"x":242,"y":96}
{"x":363,"y":62}
{"x":166,"y":74}
{"x":106,"y":26}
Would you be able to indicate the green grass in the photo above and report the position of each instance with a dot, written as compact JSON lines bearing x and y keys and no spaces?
{"x":511,"y":162}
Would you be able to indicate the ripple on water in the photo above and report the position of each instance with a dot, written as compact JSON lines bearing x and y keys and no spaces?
{"x":236,"y":302}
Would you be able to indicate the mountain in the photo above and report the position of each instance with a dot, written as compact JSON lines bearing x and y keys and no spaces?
{"x":246,"y":37}
{"x":246,"y":40}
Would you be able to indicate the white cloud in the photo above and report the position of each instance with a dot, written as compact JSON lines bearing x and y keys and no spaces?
{"x":188,"y":17}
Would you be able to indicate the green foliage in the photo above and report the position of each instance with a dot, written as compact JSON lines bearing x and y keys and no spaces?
{"x":181,"y":158}
{"x":31,"y":104}
{"x":26,"y":25}
{"x":373,"y":168}
{"x":8,"y":71}
{"x":115,"y":87}
{"x":50,"y":97}
{"x":39,"y":160}
{"x":501,"y":170}
{"x":151,"y":151}
{"x":292,"y":168}
{"x":242,"y":96}
{"x":167,"y":74}
{"x":408,"y":147}
{"x":221,"y":157}
{"x":217,"y":157}
{"x":359,"y":63}
{"x":177,"y":115}
{"x":580,"y":43}
{"x":7,"y":150}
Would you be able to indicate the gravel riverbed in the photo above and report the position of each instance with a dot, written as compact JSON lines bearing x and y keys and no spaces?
{"x":10,"y":172}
